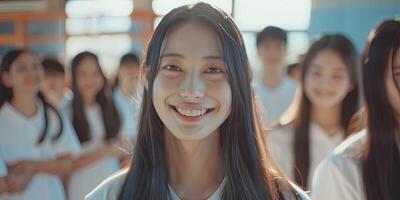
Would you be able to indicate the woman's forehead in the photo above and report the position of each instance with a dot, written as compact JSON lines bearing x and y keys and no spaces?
{"x":192,"y":38}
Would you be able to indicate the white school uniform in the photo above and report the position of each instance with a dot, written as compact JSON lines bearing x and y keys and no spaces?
{"x":280,"y":143}
{"x":111,"y":187}
{"x":86,"y":179}
{"x":3,"y":171}
{"x":129,"y":110}
{"x":66,"y":101}
{"x":276,"y":102}
{"x":18,"y":141}
{"x":3,"y":167}
{"x":339,"y":176}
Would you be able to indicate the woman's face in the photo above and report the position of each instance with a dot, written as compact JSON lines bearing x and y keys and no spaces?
{"x":128,"y":77}
{"x":88,"y":78}
{"x":25,"y":75}
{"x":327,"y":80}
{"x":393,"y":83}
{"x":128,"y":71}
{"x":191,"y":92}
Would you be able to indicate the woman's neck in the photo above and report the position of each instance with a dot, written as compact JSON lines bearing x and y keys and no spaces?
{"x":272,"y":78}
{"x":194,"y":167}
{"x":89,"y":101}
{"x":327,"y":118}
{"x":25,"y":104}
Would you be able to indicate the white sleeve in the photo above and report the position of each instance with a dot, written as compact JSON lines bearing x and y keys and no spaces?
{"x":68,"y":143}
{"x":332,"y":181}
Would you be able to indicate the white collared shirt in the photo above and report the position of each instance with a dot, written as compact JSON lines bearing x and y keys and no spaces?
{"x":3,"y":167}
{"x":18,"y":141}
{"x":339,"y":176}
{"x":111,"y":187}
{"x":84,"y":180}
{"x":280,"y":143}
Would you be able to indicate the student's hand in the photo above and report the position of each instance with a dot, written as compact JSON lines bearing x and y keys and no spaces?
{"x":17,"y":181}
{"x":22,"y":166}
{"x":3,"y":185}
{"x":66,"y":163}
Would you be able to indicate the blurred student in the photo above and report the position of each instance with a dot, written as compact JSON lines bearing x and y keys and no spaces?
{"x":53,"y":85}
{"x":366,"y":166}
{"x":321,"y":117}
{"x":97,"y":124}
{"x":127,"y":94}
{"x":276,"y":90}
{"x":35,"y":143}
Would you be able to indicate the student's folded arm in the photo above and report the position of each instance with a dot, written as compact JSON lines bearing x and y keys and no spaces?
{"x":59,"y":167}
{"x":108,"y":150}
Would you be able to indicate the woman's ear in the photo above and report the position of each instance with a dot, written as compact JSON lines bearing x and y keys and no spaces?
{"x":5,"y":78}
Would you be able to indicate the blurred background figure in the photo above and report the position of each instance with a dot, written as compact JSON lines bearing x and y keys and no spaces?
{"x":275,"y":89}
{"x":97,"y":124}
{"x":35,"y":143}
{"x":370,"y":159}
{"x":127,"y":94}
{"x":329,"y":98}
{"x":54,"y":84}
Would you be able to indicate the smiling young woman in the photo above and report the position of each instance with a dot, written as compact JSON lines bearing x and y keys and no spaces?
{"x":199,"y":136}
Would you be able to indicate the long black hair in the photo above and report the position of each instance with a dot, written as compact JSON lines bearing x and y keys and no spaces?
{"x":381,"y":162}
{"x":7,"y":94}
{"x":111,"y":118}
{"x":247,"y":173}
{"x":345,"y":49}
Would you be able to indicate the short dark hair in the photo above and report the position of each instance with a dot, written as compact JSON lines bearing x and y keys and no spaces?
{"x":129,"y":58}
{"x":52,"y":66}
{"x":271,"y":32}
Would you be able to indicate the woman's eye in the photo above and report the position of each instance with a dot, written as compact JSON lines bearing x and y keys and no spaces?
{"x":318,"y":74}
{"x":337,"y":76}
{"x":213,"y":70}
{"x":172,"y":68}
{"x":21,"y":68}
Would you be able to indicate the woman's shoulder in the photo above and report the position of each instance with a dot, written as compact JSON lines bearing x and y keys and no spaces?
{"x":280,"y":133}
{"x":351,"y":149}
{"x":346,"y":158}
{"x":109,"y":188}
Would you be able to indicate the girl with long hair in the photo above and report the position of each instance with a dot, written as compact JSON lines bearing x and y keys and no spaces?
{"x":199,"y":136}
{"x":97,"y":125}
{"x":36,"y":144}
{"x":366,"y":166}
{"x":322,"y":112}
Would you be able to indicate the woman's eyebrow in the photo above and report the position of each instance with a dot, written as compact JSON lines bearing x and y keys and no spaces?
{"x":172,"y":55}
{"x":209,"y":57}
{"x":213,"y":57}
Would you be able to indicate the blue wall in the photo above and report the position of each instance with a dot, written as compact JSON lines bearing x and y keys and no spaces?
{"x":354,"y":20}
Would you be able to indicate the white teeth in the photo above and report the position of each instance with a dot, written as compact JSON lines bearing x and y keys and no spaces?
{"x":191,"y":113}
